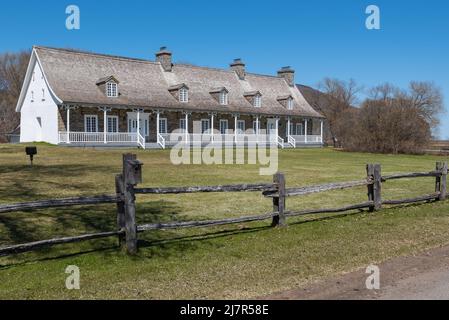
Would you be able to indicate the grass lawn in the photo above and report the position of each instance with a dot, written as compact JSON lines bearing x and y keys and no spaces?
{"x":238,"y":261}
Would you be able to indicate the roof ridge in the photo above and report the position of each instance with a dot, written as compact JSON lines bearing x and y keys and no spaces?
{"x":202,"y":67}
{"x":102,"y":55}
{"x":263,"y":75}
{"x":224,"y":70}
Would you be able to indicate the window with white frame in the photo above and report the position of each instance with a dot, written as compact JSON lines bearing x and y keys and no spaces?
{"x":257,"y":100}
{"x":241,"y":126}
{"x":205,"y":125}
{"x":43,"y":94}
{"x":223,"y":98}
{"x":299,"y":129}
{"x":290,"y":104}
{"x":112,"y":123}
{"x":182,"y":125}
{"x":111,"y":89}
{"x":163,"y":126}
{"x":223,"y":126}
{"x":91,"y":123}
{"x":183,"y":95}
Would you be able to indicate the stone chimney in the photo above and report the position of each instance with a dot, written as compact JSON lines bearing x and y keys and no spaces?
{"x":239,"y":67}
{"x":164,"y":57}
{"x":288,"y":74}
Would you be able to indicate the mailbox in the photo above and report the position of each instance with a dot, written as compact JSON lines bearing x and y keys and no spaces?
{"x":31,"y":151}
{"x":133,"y":172}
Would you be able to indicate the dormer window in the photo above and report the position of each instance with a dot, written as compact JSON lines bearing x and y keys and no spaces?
{"x":257,"y":101}
{"x":183,"y":95}
{"x":286,"y":101}
{"x":290,"y":103}
{"x":220,"y":95}
{"x":109,"y":86}
{"x":254,"y":97}
{"x":111,"y":90}
{"x":180,"y":92}
{"x":223,"y":98}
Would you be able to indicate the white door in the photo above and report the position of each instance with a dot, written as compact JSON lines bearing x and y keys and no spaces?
{"x":271,"y":126}
{"x":144,"y":123}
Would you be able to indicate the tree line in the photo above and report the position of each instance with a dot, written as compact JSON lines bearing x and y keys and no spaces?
{"x":388,"y":120}
{"x":13,"y":68}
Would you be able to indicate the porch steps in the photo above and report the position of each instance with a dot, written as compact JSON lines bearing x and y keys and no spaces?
{"x":152,"y":145}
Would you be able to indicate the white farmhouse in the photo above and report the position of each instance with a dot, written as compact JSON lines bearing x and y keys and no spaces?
{"x":76,"y":98}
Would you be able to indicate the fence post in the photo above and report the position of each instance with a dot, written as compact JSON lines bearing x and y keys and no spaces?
{"x":374,"y":172}
{"x":132,"y":175}
{"x":440,"y":180}
{"x":279,"y":202}
{"x":120,"y":192}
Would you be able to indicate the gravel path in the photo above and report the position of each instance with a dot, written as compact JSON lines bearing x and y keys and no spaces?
{"x":424,"y":276}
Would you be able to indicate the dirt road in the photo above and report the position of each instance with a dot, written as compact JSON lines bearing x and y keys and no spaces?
{"x":424,"y":276}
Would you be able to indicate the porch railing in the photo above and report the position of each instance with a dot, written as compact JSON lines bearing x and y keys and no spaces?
{"x":280,"y":142}
{"x":166,"y":139}
{"x":140,"y":140}
{"x":225,"y":139}
{"x":161,"y":141}
{"x":97,"y":137}
{"x":292,"y":141}
{"x":121,"y":137}
{"x":310,"y":138}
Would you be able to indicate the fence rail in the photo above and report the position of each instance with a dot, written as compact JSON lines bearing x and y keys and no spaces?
{"x":127,"y":229}
{"x":58,"y":203}
{"x":318,"y":188}
{"x":223,"y":188}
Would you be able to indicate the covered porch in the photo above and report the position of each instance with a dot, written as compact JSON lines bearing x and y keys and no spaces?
{"x":103,"y":126}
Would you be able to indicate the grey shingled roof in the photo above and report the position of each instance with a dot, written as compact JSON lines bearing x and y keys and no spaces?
{"x":73,"y":76}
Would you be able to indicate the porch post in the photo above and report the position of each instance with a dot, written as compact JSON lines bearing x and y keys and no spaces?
{"x":235,"y":128}
{"x":68,"y":124}
{"x":105,"y":123}
{"x":212,"y":127}
{"x":257,"y":129}
{"x":321,"y":130}
{"x":277,"y":127}
{"x":257,"y":125}
{"x":157,"y":125}
{"x":305,"y":130}
{"x":187,"y":127}
{"x":288,"y":127}
{"x":138,"y":125}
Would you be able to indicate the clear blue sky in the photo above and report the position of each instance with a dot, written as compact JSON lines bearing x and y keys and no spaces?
{"x":317,"y":38}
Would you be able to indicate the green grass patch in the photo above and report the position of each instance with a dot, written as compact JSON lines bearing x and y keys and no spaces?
{"x":238,"y":261}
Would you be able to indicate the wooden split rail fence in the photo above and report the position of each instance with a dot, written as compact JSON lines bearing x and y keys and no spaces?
{"x":125,"y":198}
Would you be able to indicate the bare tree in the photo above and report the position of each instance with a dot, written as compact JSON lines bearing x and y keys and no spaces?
{"x":397,"y":121}
{"x":13,"y":68}
{"x":391,"y":126}
{"x":337,"y":105}
{"x":428,"y":99}
{"x":390,"y":120}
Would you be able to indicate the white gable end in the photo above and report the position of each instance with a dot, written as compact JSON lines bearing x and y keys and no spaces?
{"x":38,"y":107}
